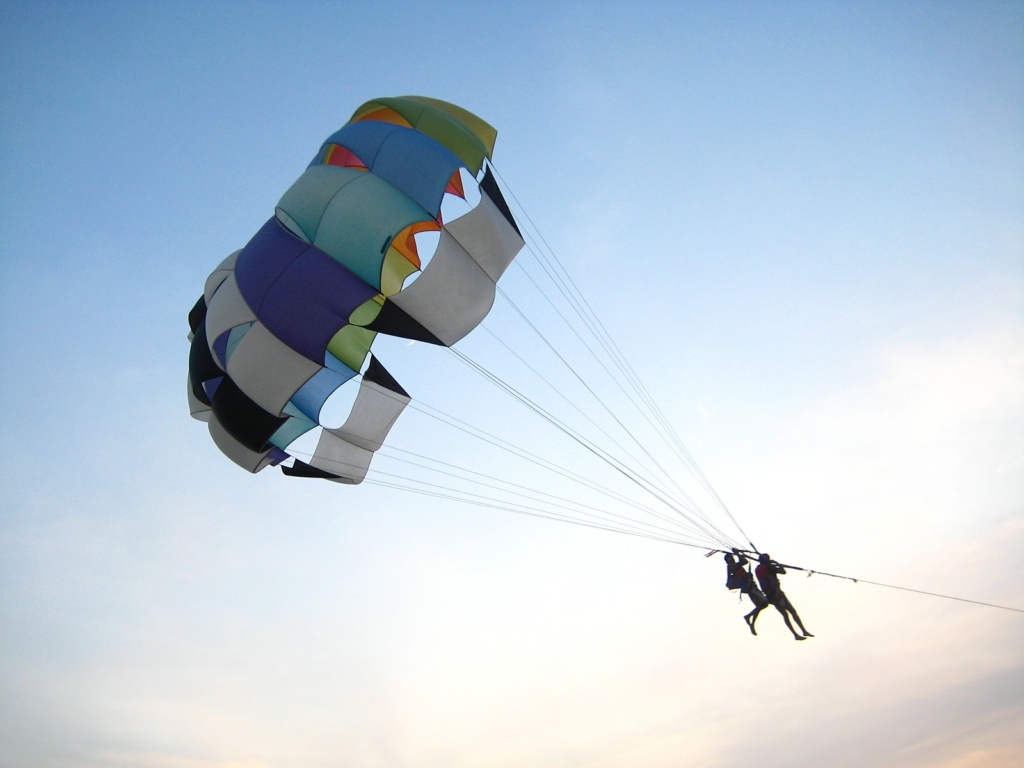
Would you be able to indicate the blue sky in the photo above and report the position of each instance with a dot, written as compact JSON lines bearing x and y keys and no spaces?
{"x":803,"y":221}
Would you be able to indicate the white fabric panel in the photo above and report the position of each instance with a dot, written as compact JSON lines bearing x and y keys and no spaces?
{"x":226,"y":310}
{"x":196,"y":407}
{"x":238,"y":453}
{"x":219,"y":275}
{"x":340,"y":457}
{"x":451,"y":296}
{"x":488,"y":237}
{"x":374,"y":413}
{"x":268,"y":370}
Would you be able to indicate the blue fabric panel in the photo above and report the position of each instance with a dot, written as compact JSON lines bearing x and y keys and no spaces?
{"x":276,"y":456}
{"x":310,"y":301}
{"x":210,"y":386}
{"x":289,"y":431}
{"x":220,"y":349}
{"x":314,"y":393}
{"x":418,"y":165}
{"x":263,"y":260}
{"x":364,"y":137}
{"x":330,"y":361}
{"x":412,"y":161}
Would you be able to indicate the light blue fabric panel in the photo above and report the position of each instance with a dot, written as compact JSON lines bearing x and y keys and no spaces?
{"x":234,"y":337}
{"x":290,"y":431}
{"x":307,"y":198}
{"x":332,"y":362}
{"x":360,"y":221}
{"x":314,"y":393}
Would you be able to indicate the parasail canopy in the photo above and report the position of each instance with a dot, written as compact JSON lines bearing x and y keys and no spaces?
{"x":289,"y":319}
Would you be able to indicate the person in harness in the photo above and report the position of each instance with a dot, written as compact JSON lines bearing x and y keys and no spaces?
{"x":768,"y":572}
{"x":738,"y":576}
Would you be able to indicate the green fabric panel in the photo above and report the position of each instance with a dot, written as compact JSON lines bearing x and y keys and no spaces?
{"x":351,"y":344}
{"x":365,"y":313}
{"x":306,"y":199}
{"x":290,"y":430}
{"x":360,"y":220}
{"x":392,"y":274}
{"x":455,"y":135}
{"x":486,"y":132}
{"x":407,"y":108}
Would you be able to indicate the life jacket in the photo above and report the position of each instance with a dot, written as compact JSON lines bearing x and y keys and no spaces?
{"x":737,"y":578}
{"x":768,"y":578}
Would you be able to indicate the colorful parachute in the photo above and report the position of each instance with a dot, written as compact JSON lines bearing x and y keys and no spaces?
{"x":289,"y":319}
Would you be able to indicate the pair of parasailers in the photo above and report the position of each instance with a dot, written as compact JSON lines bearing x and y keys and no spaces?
{"x":770,"y":592}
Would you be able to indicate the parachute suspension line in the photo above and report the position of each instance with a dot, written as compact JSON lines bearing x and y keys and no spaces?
{"x":666,"y":431}
{"x":669,"y":520}
{"x":491,"y":502}
{"x":575,"y":298}
{"x":533,"y":458}
{"x":657,"y":428}
{"x":660,"y":425}
{"x":468,"y":497}
{"x":683,"y":525}
{"x":567,"y":286}
{"x":532,"y":514}
{"x":608,"y":525}
{"x":632,"y":527}
{"x":548,"y":416}
{"x":688,"y":500}
{"x":639,"y":480}
{"x":577,"y":507}
{"x":573,"y":405}
{"x":662,"y":428}
{"x":694,"y":516}
{"x":619,"y":359}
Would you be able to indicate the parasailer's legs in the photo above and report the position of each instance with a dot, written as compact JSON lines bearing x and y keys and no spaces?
{"x":783,"y":606}
{"x":750,"y":618}
{"x":760,"y":603}
{"x":792,"y":610}
{"x":785,"y":618}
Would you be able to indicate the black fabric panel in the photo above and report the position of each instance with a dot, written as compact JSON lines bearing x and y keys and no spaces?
{"x":197,"y":314}
{"x":201,"y":365}
{"x":490,"y":186}
{"x":394,"y":321}
{"x":378,"y":374}
{"x":302,"y":469}
{"x":242,"y":418}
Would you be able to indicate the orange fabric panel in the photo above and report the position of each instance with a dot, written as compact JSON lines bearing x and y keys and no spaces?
{"x":455,"y":185}
{"x":405,"y":242}
{"x":384,"y":114}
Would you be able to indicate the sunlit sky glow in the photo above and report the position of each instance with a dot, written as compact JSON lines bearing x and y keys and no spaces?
{"x":803,"y":222}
